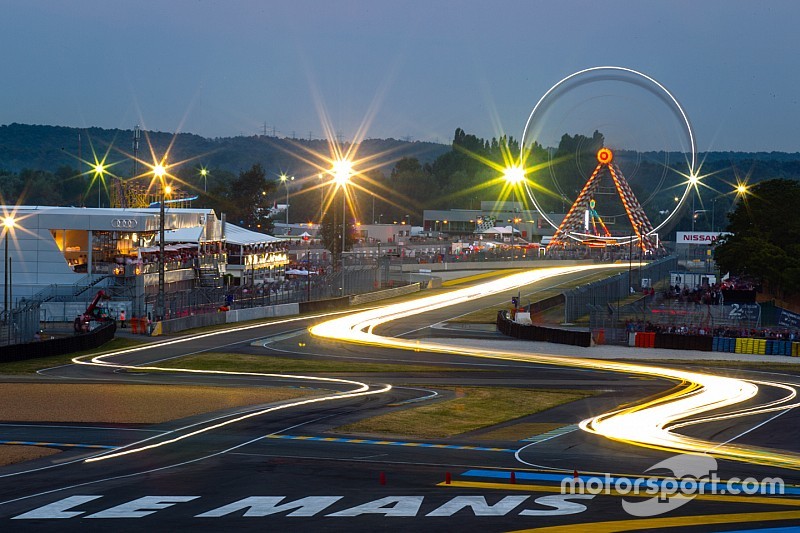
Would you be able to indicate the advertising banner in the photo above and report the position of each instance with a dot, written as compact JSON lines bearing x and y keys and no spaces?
{"x":704,"y":238}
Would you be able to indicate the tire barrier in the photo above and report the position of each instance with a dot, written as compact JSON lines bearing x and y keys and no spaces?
{"x":645,"y":339}
{"x":60,"y":346}
{"x":671,"y":341}
{"x":541,"y":333}
{"x":756,"y":346}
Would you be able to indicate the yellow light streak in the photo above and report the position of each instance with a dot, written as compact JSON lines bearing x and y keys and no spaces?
{"x":361,"y":389}
{"x":649,"y":423}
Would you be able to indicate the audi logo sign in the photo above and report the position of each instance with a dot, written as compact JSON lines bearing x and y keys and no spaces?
{"x":124,"y":223}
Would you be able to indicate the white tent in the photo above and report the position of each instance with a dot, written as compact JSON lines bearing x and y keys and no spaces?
{"x":238,"y":235}
{"x":194,"y":235}
{"x":491,"y":231}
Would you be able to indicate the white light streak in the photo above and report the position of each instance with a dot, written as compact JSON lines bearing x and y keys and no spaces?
{"x":650,"y":423}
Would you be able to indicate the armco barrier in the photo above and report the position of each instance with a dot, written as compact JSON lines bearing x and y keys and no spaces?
{"x":60,"y":346}
{"x":508,"y":327}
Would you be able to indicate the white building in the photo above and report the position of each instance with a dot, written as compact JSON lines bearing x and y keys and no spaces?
{"x":58,"y":254}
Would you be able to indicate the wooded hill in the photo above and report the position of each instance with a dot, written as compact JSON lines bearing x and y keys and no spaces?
{"x":41,"y":165}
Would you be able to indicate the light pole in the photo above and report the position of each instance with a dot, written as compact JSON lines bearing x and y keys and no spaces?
{"x":696,"y":214}
{"x":713,"y":212}
{"x":8,"y":225}
{"x":159,"y":172}
{"x":286,"y":179}
{"x":99,"y":170}
{"x":204,"y":175}
{"x":630,"y":264}
{"x":513,"y":176}
{"x":342,"y":169}
{"x":321,"y":197}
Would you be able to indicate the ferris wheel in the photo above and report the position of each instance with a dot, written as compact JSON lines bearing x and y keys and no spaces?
{"x":634,"y":189}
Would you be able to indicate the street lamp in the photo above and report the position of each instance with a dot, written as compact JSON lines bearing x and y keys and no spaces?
{"x":696,"y":214}
{"x":204,"y":175}
{"x":8,"y":225}
{"x":513,"y":176}
{"x":159,"y":172}
{"x":286,"y":179}
{"x":321,"y":197}
{"x":99,"y":170}
{"x":342,"y":169}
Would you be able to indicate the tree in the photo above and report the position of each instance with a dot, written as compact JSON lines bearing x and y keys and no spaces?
{"x":764,"y":232}
{"x":330,"y":230}
{"x":248,"y":200}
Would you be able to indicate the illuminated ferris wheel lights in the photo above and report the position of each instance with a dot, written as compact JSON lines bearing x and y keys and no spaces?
{"x":604,"y":156}
{"x":537,"y":119}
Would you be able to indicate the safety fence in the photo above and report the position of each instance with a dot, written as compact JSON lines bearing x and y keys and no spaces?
{"x":608,"y":293}
{"x":355,"y":279}
{"x":59,"y":346}
{"x":506,"y":326}
{"x":20,"y":324}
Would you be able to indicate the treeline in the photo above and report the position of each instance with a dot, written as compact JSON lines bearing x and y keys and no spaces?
{"x":394,"y":180}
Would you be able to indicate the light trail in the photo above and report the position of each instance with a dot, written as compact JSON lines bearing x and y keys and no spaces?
{"x":361,"y":389}
{"x":650,"y":423}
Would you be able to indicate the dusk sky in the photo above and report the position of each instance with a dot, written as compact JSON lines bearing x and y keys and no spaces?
{"x":416,"y":69}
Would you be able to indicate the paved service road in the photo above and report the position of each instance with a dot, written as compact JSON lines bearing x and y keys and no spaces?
{"x":281,"y":466}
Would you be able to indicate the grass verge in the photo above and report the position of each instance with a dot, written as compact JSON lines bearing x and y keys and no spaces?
{"x":10,"y":454}
{"x":282,"y":365}
{"x":30,"y":366}
{"x":126,"y":404}
{"x":472,"y":408}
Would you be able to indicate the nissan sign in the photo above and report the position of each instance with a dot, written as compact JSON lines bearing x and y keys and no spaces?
{"x":698,"y":237}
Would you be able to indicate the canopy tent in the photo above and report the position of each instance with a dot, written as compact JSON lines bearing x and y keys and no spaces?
{"x":233,"y":235}
{"x":156,"y":249}
{"x":490,"y":231}
{"x":238,"y":235}
{"x":183,"y":235}
{"x":498,"y":230}
{"x":297,"y":272}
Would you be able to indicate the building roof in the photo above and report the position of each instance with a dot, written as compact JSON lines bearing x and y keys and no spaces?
{"x":238,"y":235}
{"x":233,"y":234}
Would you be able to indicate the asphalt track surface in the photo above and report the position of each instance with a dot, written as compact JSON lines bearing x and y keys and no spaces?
{"x":265,"y":468}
